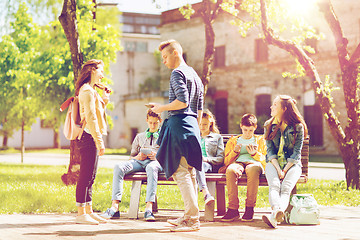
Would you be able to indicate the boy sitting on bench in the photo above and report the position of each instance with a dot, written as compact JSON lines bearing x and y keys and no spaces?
{"x":143,"y":159}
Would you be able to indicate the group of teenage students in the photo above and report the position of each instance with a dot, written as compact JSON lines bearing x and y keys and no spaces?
{"x":188,"y":145}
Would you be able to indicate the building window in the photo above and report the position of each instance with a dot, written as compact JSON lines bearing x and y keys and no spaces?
{"x":135,"y":46}
{"x":262,"y":110}
{"x":143,"y":29}
{"x":219,"y":56}
{"x":127,"y":19}
{"x":261,"y":50}
{"x":141,"y":46}
{"x":129,"y":46}
{"x":128,"y":28}
{"x":153,"y":30}
{"x":221,"y":110}
{"x":313,"y":118}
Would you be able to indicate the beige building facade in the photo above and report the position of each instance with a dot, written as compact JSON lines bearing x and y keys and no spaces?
{"x":247,"y":73}
{"x":136,"y":64}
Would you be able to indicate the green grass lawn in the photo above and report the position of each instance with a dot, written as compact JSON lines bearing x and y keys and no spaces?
{"x":39,"y":189}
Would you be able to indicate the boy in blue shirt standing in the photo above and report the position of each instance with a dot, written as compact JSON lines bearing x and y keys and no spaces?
{"x":180,"y":150}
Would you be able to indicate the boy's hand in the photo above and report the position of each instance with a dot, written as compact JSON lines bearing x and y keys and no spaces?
{"x":237,"y":148}
{"x":156,"y":108}
{"x":140,"y":156}
{"x":152,"y":156}
{"x":252,"y":149}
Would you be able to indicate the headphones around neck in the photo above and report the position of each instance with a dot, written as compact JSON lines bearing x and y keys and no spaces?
{"x":149,"y":134}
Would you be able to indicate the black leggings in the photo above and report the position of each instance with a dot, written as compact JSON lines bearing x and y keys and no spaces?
{"x":88,"y":167}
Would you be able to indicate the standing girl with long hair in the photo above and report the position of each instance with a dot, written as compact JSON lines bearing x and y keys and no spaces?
{"x":284,"y":135}
{"x":91,"y":144}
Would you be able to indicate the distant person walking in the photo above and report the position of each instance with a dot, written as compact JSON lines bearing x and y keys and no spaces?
{"x":91,"y":144}
{"x":179,"y":140}
{"x":284,"y":135}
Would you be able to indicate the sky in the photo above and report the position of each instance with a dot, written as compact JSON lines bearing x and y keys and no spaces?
{"x":148,"y":6}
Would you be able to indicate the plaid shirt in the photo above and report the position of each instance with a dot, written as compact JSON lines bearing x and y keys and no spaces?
{"x":186,"y":86}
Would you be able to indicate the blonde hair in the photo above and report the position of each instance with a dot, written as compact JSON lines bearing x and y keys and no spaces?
{"x":210,"y":117}
{"x":171,"y":45}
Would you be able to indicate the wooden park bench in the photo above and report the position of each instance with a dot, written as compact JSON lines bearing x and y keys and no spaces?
{"x":216,"y":183}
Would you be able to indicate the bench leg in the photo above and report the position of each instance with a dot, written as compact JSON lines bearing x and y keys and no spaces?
{"x":220,"y":199}
{"x":155,"y":205}
{"x":209,"y":208}
{"x":134,"y":199}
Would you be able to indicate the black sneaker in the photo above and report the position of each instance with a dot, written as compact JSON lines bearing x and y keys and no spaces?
{"x":110,"y":214}
{"x":248,"y":215}
{"x":231,"y":215}
{"x":149,"y":216}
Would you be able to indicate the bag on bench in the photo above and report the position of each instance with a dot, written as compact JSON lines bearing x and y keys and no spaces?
{"x":305,"y":210}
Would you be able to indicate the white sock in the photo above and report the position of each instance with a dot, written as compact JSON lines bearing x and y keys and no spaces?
{"x":148,"y":209}
{"x":114,"y":209}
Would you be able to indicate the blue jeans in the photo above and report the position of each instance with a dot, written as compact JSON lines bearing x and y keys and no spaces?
{"x":152,"y":168}
{"x":280,"y":191}
{"x":200,"y":175}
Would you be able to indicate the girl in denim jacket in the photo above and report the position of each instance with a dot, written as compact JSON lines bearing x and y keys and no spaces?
{"x":284,"y":135}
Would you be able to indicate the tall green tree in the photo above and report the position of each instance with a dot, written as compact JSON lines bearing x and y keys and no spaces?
{"x":22,"y":80}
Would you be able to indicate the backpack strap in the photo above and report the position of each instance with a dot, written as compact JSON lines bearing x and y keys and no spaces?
{"x":66,"y":104}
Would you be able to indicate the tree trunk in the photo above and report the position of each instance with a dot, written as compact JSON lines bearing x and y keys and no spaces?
{"x":22,"y":140}
{"x":57,"y":143}
{"x":69,"y":23}
{"x":5,"y":140}
{"x":71,"y":177}
{"x":209,"y":54}
{"x":209,"y":13}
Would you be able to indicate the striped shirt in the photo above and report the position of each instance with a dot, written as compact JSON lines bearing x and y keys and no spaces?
{"x":186,"y":86}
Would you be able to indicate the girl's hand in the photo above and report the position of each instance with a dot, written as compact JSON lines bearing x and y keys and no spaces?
{"x":281,"y":174}
{"x":101,"y":151}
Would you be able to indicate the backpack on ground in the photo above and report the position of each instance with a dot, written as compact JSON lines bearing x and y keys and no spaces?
{"x":305,"y":210}
{"x":73,"y":127}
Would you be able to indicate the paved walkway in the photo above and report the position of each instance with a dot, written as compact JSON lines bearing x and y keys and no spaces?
{"x":336,"y":223}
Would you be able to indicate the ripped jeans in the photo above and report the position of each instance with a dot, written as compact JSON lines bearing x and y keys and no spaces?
{"x":151,"y":167}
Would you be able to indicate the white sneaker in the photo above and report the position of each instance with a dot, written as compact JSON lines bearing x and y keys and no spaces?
{"x":187,"y":226}
{"x":98,"y":218}
{"x":86,"y":219}
{"x":270,"y":220}
{"x":176,"y":222}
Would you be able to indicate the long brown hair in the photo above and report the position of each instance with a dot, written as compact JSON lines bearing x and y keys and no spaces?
{"x":210,"y":117}
{"x":291,"y":117}
{"x":85,"y":73}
